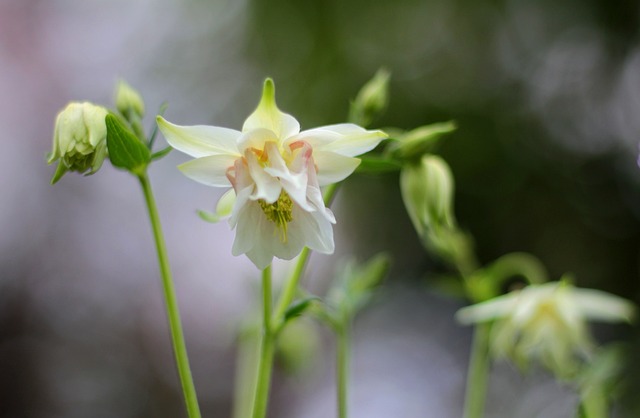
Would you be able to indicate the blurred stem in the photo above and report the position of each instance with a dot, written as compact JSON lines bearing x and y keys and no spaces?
{"x":478,"y":373}
{"x":342,"y":366}
{"x":265,"y":366}
{"x":171,"y":303}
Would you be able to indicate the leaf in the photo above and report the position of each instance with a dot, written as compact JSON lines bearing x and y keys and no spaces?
{"x":298,"y":308}
{"x":161,"y":154}
{"x":126,"y":151}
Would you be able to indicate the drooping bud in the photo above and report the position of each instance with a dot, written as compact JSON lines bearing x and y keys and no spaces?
{"x":371,"y":100}
{"x":427,"y":192}
{"x":79,"y":139}
{"x":128,"y":100}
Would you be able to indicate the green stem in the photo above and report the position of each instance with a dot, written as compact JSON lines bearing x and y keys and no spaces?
{"x":478,"y":373}
{"x":261,"y":395}
{"x":171,"y":302}
{"x":342,"y":367}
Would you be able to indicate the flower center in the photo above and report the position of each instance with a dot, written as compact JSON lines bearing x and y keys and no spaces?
{"x":279,"y":212}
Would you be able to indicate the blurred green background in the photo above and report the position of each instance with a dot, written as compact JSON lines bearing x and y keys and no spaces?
{"x":546,"y":96}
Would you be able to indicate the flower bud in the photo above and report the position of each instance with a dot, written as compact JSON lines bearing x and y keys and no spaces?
{"x":372,"y":99}
{"x":427,"y":192}
{"x":79,"y":139}
{"x":128,"y":100}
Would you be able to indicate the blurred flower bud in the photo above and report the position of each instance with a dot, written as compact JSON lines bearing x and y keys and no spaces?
{"x":371,"y":100}
{"x":413,"y":144}
{"x":128,"y":100}
{"x":79,"y":139}
{"x":427,"y":192}
{"x":546,"y":322}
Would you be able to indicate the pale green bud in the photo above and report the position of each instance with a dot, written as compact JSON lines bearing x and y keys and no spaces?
{"x":372,"y":99}
{"x":128,"y":100}
{"x":427,"y":191}
{"x":79,"y":139}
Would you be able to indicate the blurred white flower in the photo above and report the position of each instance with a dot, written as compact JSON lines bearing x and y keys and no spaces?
{"x":79,"y":139}
{"x":546,"y":322}
{"x":276,"y":173}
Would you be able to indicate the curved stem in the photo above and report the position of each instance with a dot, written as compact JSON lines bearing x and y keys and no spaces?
{"x":171,"y":302}
{"x":477,"y":375}
{"x":265,"y":366}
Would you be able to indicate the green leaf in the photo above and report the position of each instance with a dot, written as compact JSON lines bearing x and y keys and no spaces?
{"x":161,"y":154}
{"x":376,"y":164}
{"x":126,"y":151}
{"x":413,"y":144}
{"x":298,"y":308}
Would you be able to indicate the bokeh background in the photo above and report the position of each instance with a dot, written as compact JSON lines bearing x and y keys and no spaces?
{"x":546,"y":95}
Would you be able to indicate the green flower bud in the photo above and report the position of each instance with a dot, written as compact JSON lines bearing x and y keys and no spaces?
{"x":79,"y":139}
{"x":427,"y":192}
{"x":128,"y":100}
{"x":372,"y":99}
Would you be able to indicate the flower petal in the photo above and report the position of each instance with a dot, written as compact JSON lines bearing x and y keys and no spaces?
{"x":211,"y":170}
{"x":333,"y":167}
{"x":267,"y":186}
{"x":345,"y":139}
{"x":487,"y":311}
{"x":200,"y":140}
{"x":602,"y":306}
{"x":268,"y":116}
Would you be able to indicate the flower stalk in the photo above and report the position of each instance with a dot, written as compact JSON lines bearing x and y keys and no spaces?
{"x":265,"y":366}
{"x":171,"y":302}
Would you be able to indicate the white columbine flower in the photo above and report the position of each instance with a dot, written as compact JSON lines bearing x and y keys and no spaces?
{"x":546,"y":322}
{"x":275,"y":172}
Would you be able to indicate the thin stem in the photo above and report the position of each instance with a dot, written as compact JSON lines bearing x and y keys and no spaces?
{"x":261,"y":395}
{"x":478,"y":373}
{"x":171,"y":302}
{"x":342,"y":367}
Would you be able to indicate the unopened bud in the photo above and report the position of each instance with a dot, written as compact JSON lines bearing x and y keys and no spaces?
{"x":427,"y":192}
{"x":79,"y":139}
{"x":372,"y":99}
{"x":128,"y":100}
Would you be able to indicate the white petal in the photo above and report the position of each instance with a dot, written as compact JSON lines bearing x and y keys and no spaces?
{"x":211,"y":170}
{"x":345,"y":139}
{"x":267,"y":186}
{"x":318,"y":231}
{"x":333,"y":167}
{"x":487,"y":311}
{"x":268,"y":116}
{"x":247,"y":230}
{"x":602,"y":306}
{"x":256,"y":139}
{"x":200,"y":140}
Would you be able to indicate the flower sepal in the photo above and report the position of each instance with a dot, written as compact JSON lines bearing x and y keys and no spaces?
{"x":126,"y":151}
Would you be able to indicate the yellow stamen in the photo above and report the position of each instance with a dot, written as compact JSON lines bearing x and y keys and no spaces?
{"x":279,"y":212}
